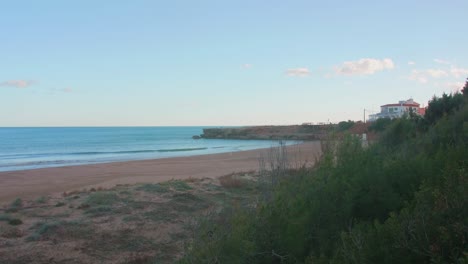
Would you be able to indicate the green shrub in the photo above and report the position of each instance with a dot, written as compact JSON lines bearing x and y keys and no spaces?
{"x":380,"y":124}
{"x":59,"y":204}
{"x":102,"y":198}
{"x":15,"y":221}
{"x":180,"y":185}
{"x":153,"y":188}
{"x":15,"y":205}
{"x":5,"y":217}
{"x":401,"y":200}
{"x":345,"y":125}
{"x":60,"y":230}
{"x":99,"y":210}
{"x":41,"y":200}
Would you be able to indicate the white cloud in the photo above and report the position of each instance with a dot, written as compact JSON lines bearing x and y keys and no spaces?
{"x":301,"y":72}
{"x":454,"y":86}
{"x":452,"y":75}
{"x":62,"y":90}
{"x":459,"y":72}
{"x":441,"y":61}
{"x":247,"y":66}
{"x":423,"y":76}
{"x":67,"y":90}
{"x":418,"y":76}
{"x":17,"y":83}
{"x":364,"y":66}
{"x":411,"y":63}
{"x":435,"y":73}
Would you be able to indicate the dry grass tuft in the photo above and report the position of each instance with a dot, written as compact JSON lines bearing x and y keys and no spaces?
{"x":191,"y":179}
{"x":66,"y":194}
{"x":231,"y":181}
{"x":140,"y":258}
{"x":11,"y":232}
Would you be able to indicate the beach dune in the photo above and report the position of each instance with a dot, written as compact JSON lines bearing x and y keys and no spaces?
{"x":31,"y":184}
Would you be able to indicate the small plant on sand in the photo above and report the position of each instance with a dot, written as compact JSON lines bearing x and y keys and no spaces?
{"x":41,"y":200}
{"x":59,"y":230}
{"x":15,"y":221}
{"x":179,"y":185}
{"x":59,"y":204}
{"x":140,"y":258}
{"x":191,"y":179}
{"x":159,"y":215}
{"x":42,"y":228}
{"x":5,"y":217}
{"x":97,"y":211}
{"x":188,"y":202}
{"x":15,"y":205}
{"x":185,"y":198}
{"x":11,"y":232}
{"x":99,"y":203}
{"x":102,"y":198}
{"x":128,"y":240}
{"x":153,"y":188}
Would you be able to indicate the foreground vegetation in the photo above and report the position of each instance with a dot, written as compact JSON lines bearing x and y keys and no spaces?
{"x":400,"y":200}
{"x":133,"y":224}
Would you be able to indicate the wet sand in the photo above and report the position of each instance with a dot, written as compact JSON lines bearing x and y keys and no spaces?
{"x":31,"y":184}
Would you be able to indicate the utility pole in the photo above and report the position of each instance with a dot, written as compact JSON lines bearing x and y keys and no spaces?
{"x":371,"y":111}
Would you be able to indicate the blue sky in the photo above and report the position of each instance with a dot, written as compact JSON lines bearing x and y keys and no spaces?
{"x":154,"y":63}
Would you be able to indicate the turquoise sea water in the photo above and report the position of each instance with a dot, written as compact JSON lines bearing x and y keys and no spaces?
{"x":32,"y":148}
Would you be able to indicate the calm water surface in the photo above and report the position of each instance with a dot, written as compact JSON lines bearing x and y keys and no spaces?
{"x":31,"y":148}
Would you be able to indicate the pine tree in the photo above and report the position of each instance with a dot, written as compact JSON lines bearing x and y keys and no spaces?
{"x":465,"y":88}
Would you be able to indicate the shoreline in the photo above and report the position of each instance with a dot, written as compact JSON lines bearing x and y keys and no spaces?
{"x":34,"y":165}
{"x":31,"y":184}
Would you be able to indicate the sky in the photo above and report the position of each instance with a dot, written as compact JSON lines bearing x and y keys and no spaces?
{"x":220,"y":63}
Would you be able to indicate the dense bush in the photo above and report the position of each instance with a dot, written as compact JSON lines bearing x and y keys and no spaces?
{"x":401,"y":200}
{"x":345,"y":125}
{"x":445,"y":105}
{"x":380,"y":124}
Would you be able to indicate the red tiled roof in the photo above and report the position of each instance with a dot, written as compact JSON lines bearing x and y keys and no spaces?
{"x":413,"y":105}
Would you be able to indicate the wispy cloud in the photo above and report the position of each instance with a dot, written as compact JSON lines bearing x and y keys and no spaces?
{"x":455,"y":86}
{"x":423,"y":76}
{"x":61,"y":90}
{"x":364,"y":66}
{"x":301,"y":72}
{"x":66,"y":90}
{"x":418,"y":76}
{"x":17,"y":83}
{"x":459,"y":72}
{"x":442,"y":61}
{"x":435,"y":73}
{"x":246,"y":66}
{"x":411,"y":63}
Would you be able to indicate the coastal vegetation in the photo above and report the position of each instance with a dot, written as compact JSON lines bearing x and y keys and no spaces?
{"x":293,"y":132}
{"x":400,"y":200}
{"x":143,"y":223}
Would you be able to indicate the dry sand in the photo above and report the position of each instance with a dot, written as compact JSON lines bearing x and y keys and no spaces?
{"x":30,"y":184}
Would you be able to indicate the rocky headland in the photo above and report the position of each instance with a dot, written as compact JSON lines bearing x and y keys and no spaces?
{"x":293,"y":132}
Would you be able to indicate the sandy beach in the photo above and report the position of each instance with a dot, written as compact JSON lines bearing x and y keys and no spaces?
{"x":30,"y":184}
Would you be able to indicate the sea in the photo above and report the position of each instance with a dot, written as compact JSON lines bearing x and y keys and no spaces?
{"x":42,"y":147}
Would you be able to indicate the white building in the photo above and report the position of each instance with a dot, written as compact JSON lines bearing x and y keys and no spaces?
{"x":397,"y":110}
